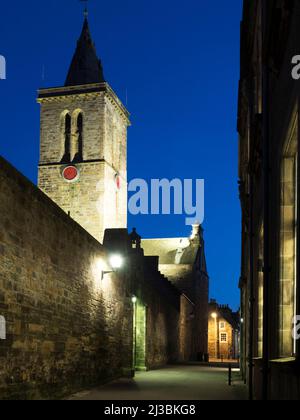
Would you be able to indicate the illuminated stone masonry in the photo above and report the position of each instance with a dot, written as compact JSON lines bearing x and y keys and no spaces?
{"x":183,"y":262}
{"x":69,"y":325}
{"x":97,"y":197}
{"x":268,"y":126}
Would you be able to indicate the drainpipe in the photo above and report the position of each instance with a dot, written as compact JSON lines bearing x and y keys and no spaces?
{"x":266,"y":185}
{"x":298,"y":239}
{"x":251,"y":292}
{"x":241,"y":340}
{"x":218,"y":338}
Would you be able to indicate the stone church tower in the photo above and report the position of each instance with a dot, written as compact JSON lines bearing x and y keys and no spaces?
{"x":83,"y":152}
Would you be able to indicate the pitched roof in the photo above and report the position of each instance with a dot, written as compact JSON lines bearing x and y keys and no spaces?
{"x":179,"y":251}
{"x":86,"y":68}
{"x":171,"y":251}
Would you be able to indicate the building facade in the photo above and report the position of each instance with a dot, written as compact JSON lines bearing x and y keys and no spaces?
{"x":268,"y":125}
{"x":223,"y":332}
{"x":183,"y":262}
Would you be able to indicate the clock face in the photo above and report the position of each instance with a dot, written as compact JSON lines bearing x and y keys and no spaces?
{"x":70,"y":174}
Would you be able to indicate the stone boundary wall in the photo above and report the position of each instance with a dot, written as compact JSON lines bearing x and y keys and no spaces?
{"x":67,"y":328}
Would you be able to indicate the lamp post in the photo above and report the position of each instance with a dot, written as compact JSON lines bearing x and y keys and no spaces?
{"x":214,"y":315}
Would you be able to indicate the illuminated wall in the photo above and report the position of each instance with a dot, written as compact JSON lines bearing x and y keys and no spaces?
{"x":66,"y":327}
{"x":97,"y":198}
{"x":288,"y":242}
{"x":139,"y":335}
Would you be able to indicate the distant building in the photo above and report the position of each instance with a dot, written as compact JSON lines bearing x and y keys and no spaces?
{"x":183,"y":262}
{"x":223,"y":332}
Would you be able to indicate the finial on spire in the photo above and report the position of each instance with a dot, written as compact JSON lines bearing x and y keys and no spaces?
{"x":86,"y":12}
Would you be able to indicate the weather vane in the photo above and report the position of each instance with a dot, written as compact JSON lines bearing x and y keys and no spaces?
{"x":86,"y":12}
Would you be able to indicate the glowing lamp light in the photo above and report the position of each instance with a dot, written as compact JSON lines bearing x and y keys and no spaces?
{"x":116,"y":261}
{"x":214,"y":315}
{"x":134,"y":299}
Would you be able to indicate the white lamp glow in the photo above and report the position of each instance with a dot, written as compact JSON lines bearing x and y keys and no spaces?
{"x":116,"y":261}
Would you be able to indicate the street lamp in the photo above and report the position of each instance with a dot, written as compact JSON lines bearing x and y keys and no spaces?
{"x":214,"y":315}
{"x":116,"y":262}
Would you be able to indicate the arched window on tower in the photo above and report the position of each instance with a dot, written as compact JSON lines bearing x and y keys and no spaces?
{"x":78,"y":157}
{"x":66,"y":126}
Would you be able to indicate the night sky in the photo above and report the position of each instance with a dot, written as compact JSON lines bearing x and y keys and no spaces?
{"x":176,"y":64}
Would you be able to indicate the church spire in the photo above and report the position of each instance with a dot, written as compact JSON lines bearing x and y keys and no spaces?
{"x":85,"y":68}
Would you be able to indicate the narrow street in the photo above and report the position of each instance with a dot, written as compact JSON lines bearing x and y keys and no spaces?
{"x":171,"y":383}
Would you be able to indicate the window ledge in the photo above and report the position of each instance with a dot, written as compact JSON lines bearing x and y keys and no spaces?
{"x":284,"y":360}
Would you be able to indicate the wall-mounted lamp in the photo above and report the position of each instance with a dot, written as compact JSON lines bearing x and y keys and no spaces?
{"x":116,"y":262}
{"x":214,"y":315}
{"x":134,"y":299}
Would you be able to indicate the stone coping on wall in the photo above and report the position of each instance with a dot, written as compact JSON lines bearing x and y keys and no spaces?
{"x":25,"y":183}
{"x":281,"y":361}
{"x":284,"y":364}
{"x":284,"y":360}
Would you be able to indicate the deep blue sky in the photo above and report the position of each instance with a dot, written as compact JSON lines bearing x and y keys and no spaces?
{"x":179,"y":63}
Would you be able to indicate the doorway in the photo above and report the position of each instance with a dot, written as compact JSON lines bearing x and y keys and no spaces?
{"x":139,"y":335}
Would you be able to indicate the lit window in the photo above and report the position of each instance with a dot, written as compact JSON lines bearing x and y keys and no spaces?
{"x":222,"y":325}
{"x":223,"y":337}
{"x":2,"y":328}
{"x":288,"y":236}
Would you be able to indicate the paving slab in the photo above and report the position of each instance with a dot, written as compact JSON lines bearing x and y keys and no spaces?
{"x":171,"y":383}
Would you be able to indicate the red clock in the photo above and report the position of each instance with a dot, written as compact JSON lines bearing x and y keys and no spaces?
{"x":70,"y":173}
{"x":118,"y":181}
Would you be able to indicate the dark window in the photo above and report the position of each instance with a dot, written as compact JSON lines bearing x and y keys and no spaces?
{"x":79,"y":134}
{"x":67,"y":137}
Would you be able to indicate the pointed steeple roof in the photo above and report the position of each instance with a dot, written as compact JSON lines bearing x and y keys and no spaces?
{"x":86,"y":68}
